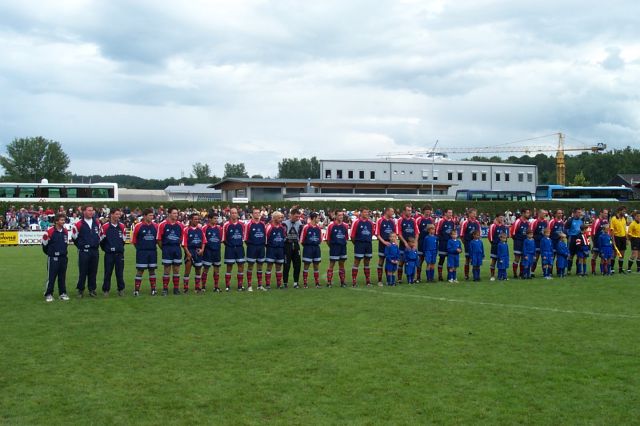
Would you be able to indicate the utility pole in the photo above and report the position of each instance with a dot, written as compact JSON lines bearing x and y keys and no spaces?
{"x":433,"y":163}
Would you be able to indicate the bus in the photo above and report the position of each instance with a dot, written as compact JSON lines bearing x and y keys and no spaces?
{"x":45,"y":192}
{"x":480,"y":195}
{"x":580,"y":193}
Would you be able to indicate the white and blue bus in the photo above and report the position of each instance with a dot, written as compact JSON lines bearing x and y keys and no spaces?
{"x":12,"y":192}
{"x":580,"y":193}
{"x":480,"y":195}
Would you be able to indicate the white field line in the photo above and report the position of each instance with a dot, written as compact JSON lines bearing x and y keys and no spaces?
{"x":502,"y":305}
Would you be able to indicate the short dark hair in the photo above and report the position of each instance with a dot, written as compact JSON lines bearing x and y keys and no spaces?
{"x":114,"y":210}
{"x":60,"y":216}
{"x":147,"y":211}
{"x":193,"y":215}
{"x":427,"y":207}
{"x":171,"y":208}
{"x":313,"y":215}
{"x":294,"y":211}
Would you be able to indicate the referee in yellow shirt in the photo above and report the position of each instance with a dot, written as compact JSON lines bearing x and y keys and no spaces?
{"x":634,"y":237}
{"x":618,"y":225}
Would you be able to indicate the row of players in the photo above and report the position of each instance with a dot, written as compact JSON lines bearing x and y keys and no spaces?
{"x":403,"y":246}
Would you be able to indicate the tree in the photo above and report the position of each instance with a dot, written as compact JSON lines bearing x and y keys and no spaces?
{"x":32,"y":159}
{"x":201,"y":172}
{"x":303,"y":168}
{"x":580,"y":180}
{"x":235,"y":170}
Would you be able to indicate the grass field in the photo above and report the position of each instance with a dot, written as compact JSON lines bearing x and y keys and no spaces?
{"x":541,"y":352}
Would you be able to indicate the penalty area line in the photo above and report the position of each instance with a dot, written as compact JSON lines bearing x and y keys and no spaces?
{"x":501,"y":305}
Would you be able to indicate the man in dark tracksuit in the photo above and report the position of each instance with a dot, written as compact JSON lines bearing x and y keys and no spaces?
{"x":54,"y":244}
{"x":86,"y":236}
{"x":293,"y":227}
{"x":112,"y":242}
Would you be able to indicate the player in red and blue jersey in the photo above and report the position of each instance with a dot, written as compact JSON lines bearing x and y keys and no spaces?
{"x":337,"y":237}
{"x":276,"y":235}
{"x":596,"y":230}
{"x":423,"y":223}
{"x":255,"y":233}
{"x":211,"y":256}
{"x":169,"y":238}
{"x":556,"y":229}
{"x":144,"y":239}
{"x":496,"y":229}
{"x":310,"y":238}
{"x":385,"y":226}
{"x":193,"y":241}
{"x":467,"y":231}
{"x":55,"y":246}
{"x":406,"y":228}
{"x":519,"y":231}
{"x":232,"y":235}
{"x":444,"y":227}
{"x":538,"y":226}
{"x":112,"y":236}
{"x":361,"y":237}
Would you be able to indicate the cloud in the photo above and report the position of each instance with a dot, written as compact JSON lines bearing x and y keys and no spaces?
{"x":151,"y":87}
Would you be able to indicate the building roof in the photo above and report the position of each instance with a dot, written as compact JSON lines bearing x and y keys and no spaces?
{"x":630,"y":178}
{"x":329,"y":181}
{"x":425,"y":161}
{"x":199,"y":188}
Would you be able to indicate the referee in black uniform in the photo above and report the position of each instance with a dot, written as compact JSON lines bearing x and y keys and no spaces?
{"x":293,"y":225}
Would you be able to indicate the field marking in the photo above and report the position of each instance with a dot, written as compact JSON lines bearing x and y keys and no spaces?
{"x":502,"y":305}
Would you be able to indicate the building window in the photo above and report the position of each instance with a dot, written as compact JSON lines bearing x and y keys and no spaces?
{"x":411,"y":172}
{"x":338,"y":174}
{"x":360,"y":174}
{"x":497,"y":176}
{"x":402,"y":172}
{"x":395,"y":172}
{"x":529,"y":177}
{"x":435,"y":175}
{"x":327,"y":174}
{"x":484,"y":176}
{"x":350,"y":174}
{"x":459,"y":175}
{"x":474,"y":176}
{"x":372,"y":174}
{"x":507,"y":177}
{"x":450,"y":175}
{"x":520,"y":177}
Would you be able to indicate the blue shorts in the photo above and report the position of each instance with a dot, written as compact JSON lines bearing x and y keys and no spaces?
{"x":430,"y":257}
{"x":146,"y":259}
{"x":275,"y":255}
{"x":442,"y":247}
{"x":255,"y":253}
{"x":381,"y":248}
{"x":196,"y":259}
{"x":518,"y":246}
{"x":494,"y":251}
{"x":549,"y":258}
{"x":211,"y":257}
{"x":390,"y":267}
{"x":606,"y":252}
{"x":311,"y":254}
{"x":337,"y":252}
{"x":453,"y":260}
{"x":233,"y":254}
{"x":171,"y":255}
{"x":362,"y":249}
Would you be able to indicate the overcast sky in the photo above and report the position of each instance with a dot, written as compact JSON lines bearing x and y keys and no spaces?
{"x":150,"y":87}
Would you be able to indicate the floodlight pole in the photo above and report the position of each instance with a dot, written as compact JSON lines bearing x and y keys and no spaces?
{"x":433,"y":163}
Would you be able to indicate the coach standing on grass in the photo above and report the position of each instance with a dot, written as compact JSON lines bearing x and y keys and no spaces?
{"x":86,"y":236}
{"x":293,"y":227}
{"x":112,"y":242}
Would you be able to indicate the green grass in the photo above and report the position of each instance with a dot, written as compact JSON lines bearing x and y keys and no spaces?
{"x":543,"y":352}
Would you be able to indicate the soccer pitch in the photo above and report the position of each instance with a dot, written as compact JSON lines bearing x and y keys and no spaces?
{"x":537,"y":351}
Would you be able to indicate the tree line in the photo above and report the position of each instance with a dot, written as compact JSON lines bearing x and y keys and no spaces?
{"x":34,"y":158}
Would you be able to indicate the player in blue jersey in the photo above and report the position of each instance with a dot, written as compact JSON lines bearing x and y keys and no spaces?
{"x":469,"y":227}
{"x":310,"y":238}
{"x":54,"y":245}
{"x":538,"y":226}
{"x":112,"y":236}
{"x":193,"y":242}
{"x":454,"y":248}
{"x":392,"y":258}
{"x":528,"y":254}
{"x":572,"y":229}
{"x":582,"y":249}
{"x":361,"y":237}
{"x":144,"y":239}
{"x":519,"y":231}
{"x":411,"y":260}
{"x":385,"y":226}
{"x":605,"y":244}
{"x":169,"y":238}
{"x":476,"y":252}
{"x":406,"y":228}
{"x":212,"y":248}
{"x":430,"y":247}
{"x":255,"y":232}
{"x":546,"y":253}
{"x":502,"y":254}
{"x":423,"y":223}
{"x":496,"y":229}
{"x":443,"y":231}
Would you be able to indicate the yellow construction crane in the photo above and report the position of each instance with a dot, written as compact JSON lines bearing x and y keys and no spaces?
{"x":560,"y":150}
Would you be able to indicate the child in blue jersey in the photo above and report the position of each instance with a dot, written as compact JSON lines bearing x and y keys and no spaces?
{"x":392,"y":257}
{"x":430,"y":247}
{"x":503,"y":258}
{"x":454,"y":248}
{"x":562,"y":256}
{"x":582,"y":251}
{"x":476,"y":252}
{"x":410,"y":260}
{"x":528,"y":255}
{"x":606,"y":250}
{"x":546,"y":253}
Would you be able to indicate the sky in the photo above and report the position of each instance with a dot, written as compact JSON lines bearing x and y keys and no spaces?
{"x":149,"y":87}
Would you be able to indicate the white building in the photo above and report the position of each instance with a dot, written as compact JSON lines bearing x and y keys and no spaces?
{"x":472,"y":175}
